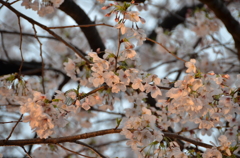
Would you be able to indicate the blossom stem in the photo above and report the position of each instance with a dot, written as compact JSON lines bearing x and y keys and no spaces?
{"x":165,"y":49}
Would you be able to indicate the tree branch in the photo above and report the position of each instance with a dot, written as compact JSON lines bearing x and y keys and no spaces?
{"x":14,"y":127}
{"x":44,"y":28}
{"x":72,"y":151}
{"x":88,"y":135}
{"x":81,"y":18}
{"x":173,"y":19}
{"x":231,"y":24}
{"x":26,"y":152}
{"x":91,"y":148}
{"x":27,"y":34}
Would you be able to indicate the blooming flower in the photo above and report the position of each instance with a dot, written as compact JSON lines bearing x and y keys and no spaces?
{"x":69,"y":67}
{"x":110,"y":78}
{"x":124,"y":77}
{"x":129,"y":53}
{"x":118,"y":86}
{"x":97,"y":79}
{"x":155,"y":91}
{"x":212,"y":153}
{"x":122,"y":27}
{"x":86,"y":105}
{"x":225,"y":144}
{"x":137,"y":84}
{"x":191,"y":66}
{"x":132,"y":15}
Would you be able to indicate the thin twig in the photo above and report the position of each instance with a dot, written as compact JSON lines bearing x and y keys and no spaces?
{"x":173,"y":72}
{"x":40,"y":46}
{"x":28,"y":34}
{"x":165,"y":49}
{"x":109,"y":112}
{"x":46,"y":29}
{"x":105,"y":120}
{"x":3,"y":46}
{"x":14,"y":127}
{"x":70,"y":26}
{"x":105,"y":144}
{"x":14,"y":2}
{"x":26,"y":152}
{"x":224,"y":45}
{"x":152,"y":68}
{"x":93,"y":91}
{"x":91,"y":148}
{"x":20,"y":46}
{"x":72,"y":151}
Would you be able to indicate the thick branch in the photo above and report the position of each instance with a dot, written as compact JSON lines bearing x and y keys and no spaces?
{"x":81,"y":18}
{"x":232,"y":25}
{"x":88,"y":135}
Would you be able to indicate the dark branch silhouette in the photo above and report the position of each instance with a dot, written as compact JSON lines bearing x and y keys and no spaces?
{"x":81,"y":18}
{"x":172,"y":20}
{"x":231,"y":24}
{"x":23,"y":142}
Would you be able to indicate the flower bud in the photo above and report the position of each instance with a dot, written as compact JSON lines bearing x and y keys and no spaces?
{"x":105,"y":7}
{"x":108,"y":14}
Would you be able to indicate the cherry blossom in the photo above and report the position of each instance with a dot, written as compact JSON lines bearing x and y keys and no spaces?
{"x":191,"y":66}
{"x":198,"y":102}
{"x":212,"y":153}
{"x":133,"y":16}
{"x":122,"y":27}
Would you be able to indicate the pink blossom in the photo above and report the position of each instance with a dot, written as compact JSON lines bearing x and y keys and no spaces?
{"x":137,"y":84}
{"x":132,"y":15}
{"x":191,"y":66}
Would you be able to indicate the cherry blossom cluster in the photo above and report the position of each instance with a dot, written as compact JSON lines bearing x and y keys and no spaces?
{"x":43,"y":7}
{"x":206,"y":100}
{"x":203,"y":99}
{"x":43,"y":117}
{"x":122,"y":14}
{"x":203,"y":23}
{"x":198,"y":98}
